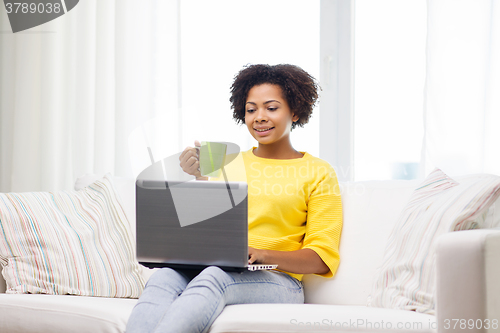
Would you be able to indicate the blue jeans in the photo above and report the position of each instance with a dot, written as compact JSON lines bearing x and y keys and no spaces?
{"x":174,"y":301}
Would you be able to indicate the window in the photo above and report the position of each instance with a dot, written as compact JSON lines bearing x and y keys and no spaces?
{"x":389,"y":74}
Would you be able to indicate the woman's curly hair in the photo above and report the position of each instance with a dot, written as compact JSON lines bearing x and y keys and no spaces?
{"x":300,"y":89}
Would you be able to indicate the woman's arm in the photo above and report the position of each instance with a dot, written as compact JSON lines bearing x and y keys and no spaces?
{"x":304,"y":261}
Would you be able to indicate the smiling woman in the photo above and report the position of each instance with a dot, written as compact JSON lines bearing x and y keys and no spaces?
{"x":269,"y":120}
{"x":272,"y":101}
{"x":294,"y":222}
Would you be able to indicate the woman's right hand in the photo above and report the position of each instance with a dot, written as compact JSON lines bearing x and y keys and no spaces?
{"x":190,"y":161}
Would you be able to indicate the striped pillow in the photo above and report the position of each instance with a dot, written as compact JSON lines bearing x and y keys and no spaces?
{"x":68,"y":242}
{"x":439,"y":205}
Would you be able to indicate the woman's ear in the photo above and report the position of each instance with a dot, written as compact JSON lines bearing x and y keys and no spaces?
{"x":295,"y":117}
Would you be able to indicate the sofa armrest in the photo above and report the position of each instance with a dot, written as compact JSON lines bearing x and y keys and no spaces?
{"x":468,"y":275}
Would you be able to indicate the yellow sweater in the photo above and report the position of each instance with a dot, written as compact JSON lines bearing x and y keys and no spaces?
{"x":292,"y":204}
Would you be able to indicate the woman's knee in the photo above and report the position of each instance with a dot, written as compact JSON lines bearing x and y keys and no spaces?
{"x":211,"y":277}
{"x":214,"y":272}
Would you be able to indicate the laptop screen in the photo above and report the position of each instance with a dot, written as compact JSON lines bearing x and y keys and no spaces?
{"x":194,"y":223}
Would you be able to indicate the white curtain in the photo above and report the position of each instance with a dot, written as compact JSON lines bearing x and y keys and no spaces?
{"x":462,"y":93}
{"x":75,"y":93}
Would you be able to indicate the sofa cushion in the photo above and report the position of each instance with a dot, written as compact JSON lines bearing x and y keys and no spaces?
{"x":68,"y":242}
{"x":492,"y":217}
{"x":58,"y":313}
{"x":319,"y":318}
{"x":440,"y":204}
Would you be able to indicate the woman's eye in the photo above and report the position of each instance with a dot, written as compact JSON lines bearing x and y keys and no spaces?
{"x":250,"y":110}
{"x":272,"y":109}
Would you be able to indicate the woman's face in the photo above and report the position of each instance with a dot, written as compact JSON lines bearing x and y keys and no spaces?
{"x":267,"y":114}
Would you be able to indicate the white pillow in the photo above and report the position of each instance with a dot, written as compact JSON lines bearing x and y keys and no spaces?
{"x":68,"y":242}
{"x":124,"y":188}
{"x":406,"y":278}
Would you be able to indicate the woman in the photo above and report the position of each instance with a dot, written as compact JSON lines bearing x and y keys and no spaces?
{"x":294,"y":211}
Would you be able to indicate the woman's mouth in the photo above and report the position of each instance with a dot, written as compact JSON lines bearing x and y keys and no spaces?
{"x":263,"y":131}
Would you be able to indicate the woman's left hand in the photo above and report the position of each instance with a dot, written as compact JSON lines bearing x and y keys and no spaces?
{"x":256,"y":256}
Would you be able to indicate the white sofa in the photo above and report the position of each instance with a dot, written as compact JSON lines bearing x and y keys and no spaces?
{"x":467,"y":287}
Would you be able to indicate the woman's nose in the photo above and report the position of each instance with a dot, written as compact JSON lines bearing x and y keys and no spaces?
{"x":260,"y":116}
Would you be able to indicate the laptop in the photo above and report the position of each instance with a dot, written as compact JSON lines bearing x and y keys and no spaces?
{"x":193,"y":224}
